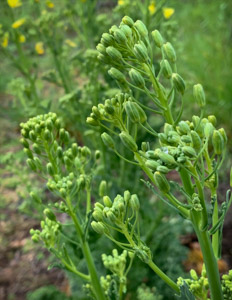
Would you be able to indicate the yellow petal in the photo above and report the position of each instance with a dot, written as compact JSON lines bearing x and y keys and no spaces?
{"x":168,"y":12}
{"x":39,"y":48}
{"x":14,"y":3}
{"x":121,"y":2}
{"x":5,"y":40}
{"x":50,"y":4}
{"x":152,"y":8}
{"x":70,"y":43}
{"x":22,"y":38}
{"x":18,"y":23}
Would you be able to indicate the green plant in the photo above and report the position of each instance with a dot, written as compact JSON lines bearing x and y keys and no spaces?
{"x":194,"y":150}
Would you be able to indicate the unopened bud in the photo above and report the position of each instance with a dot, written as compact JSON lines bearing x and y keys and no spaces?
{"x":117,"y":75}
{"x":162,"y":182}
{"x":141,"y":52}
{"x":157,"y":37}
{"x":114,"y":53}
{"x":98,"y":227}
{"x":50,"y":169}
{"x":218,"y":142}
{"x":137,"y":78}
{"x":128,"y":141}
{"x":128,"y":21}
{"x":107,"y":201}
{"x":107,"y":39}
{"x":152,"y":164}
{"x":134,"y":202}
{"x":31,"y":164}
{"x":178,"y":82}
{"x":170,"y":52}
{"x":102,"y":188}
{"x":167,"y":70}
{"x":49,"y":214}
{"x":199,"y":94}
{"x":107,"y":140}
{"x":141,"y":27}
{"x":189,"y":151}
{"x":120,"y":36}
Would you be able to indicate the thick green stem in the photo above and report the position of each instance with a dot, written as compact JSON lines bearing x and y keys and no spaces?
{"x":206,"y":247}
{"x":87,"y":254}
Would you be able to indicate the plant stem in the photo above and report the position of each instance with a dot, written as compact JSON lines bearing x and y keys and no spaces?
{"x":163,"y":276}
{"x":87,"y":254}
{"x":205,"y":244}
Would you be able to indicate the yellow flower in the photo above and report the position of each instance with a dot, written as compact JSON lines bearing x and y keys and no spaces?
{"x":121,"y":2}
{"x":50,"y":4}
{"x":152,"y":8}
{"x":168,"y":12}
{"x":39,"y":48}
{"x":14,"y":3}
{"x":18,"y":23}
{"x":70,"y":43}
{"x":5,"y":40}
{"x":22,"y":38}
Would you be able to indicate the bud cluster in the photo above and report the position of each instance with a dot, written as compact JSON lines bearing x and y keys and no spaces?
{"x":49,"y":152}
{"x":119,"y":108}
{"x":49,"y":232}
{"x":227,"y":285}
{"x":115,"y":212}
{"x":199,"y":286}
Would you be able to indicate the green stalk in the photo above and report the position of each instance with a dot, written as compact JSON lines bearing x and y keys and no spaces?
{"x":87,"y":254}
{"x":205,"y":244}
{"x":60,"y":71}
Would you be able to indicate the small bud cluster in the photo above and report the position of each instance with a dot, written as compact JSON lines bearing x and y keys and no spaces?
{"x":227,"y":285}
{"x":120,"y":107}
{"x":50,"y":231}
{"x":116,"y":212}
{"x":199,"y":286}
{"x":117,"y":265}
{"x":146,"y":293}
{"x":46,"y":143}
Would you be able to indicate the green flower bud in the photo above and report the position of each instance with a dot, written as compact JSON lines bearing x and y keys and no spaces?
{"x":152,"y":164}
{"x":141,"y":27}
{"x":28,"y":153}
{"x":92,"y":121}
{"x":141,"y":52}
{"x":167,"y":70}
{"x":162,"y":138}
{"x":212,"y":119}
{"x":196,"y":140}
{"x":137,"y":78}
{"x":170,"y":52}
{"x":97,"y":155}
{"x":107,"y":39}
{"x":111,"y":216}
{"x":127,"y":31}
{"x":107,"y":140}
{"x":157,"y":37}
{"x":120,"y":37}
{"x":117,"y":75}
{"x":35,"y":197}
{"x":199,"y":94}
{"x":98,"y":215}
{"x":127,"y":196}
{"x":113,"y":53}
{"x":167,"y":158}
{"x":35,"y":238}
{"x":36,"y":148}
{"x":144,"y":146}
{"x":128,"y":21}
{"x":134,"y":202}
{"x":59,"y":152}
{"x":163,"y":169}
{"x":132,"y":111}
{"x":102,"y":188}
{"x":109,"y":109}
{"x":47,"y":135}
{"x":218,"y":142}
{"x":31,"y":164}
{"x":24,"y":142}
{"x":179,"y":83}
{"x":208,"y":130}
{"x":189,"y":151}
{"x":223,"y":133}
{"x":162,"y":182}
{"x":98,"y":227}
{"x":32,"y":135}
{"x":49,"y":214}
{"x":101,"y":49}
{"x":50,"y":169}
{"x":74,"y":149}
{"x":107,"y":201}
{"x":183,"y":127}
{"x":128,"y":141}
{"x":186,"y":139}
